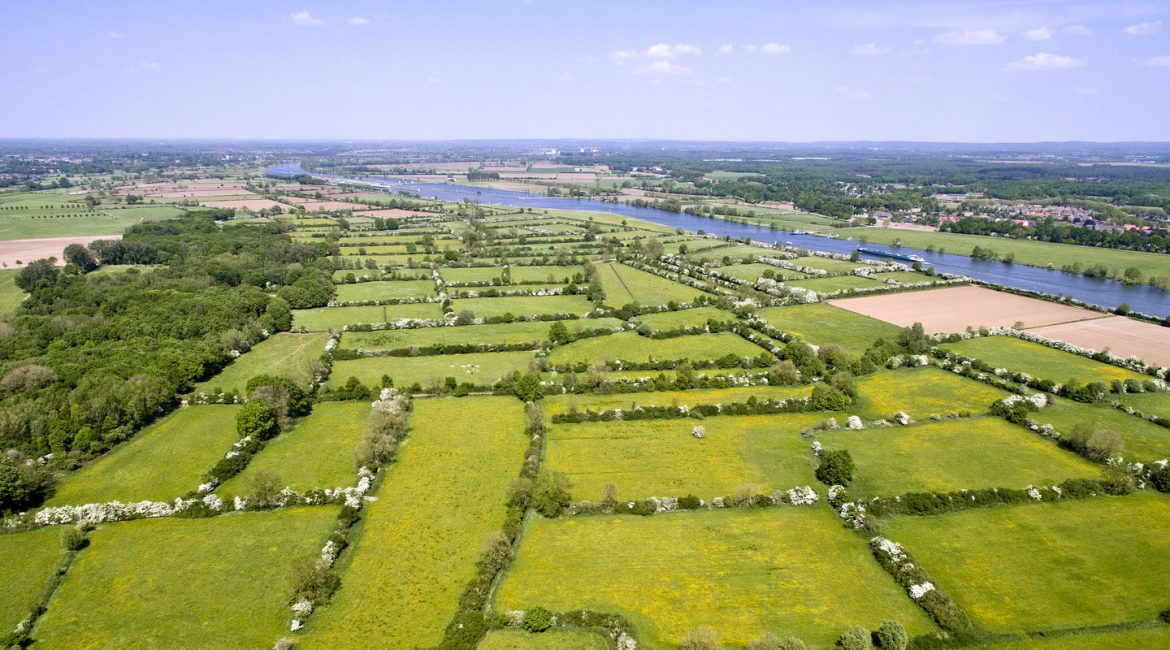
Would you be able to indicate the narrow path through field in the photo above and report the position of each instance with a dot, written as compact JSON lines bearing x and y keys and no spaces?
{"x":622,"y":281}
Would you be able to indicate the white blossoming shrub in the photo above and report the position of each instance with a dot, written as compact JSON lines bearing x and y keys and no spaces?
{"x":698,"y":431}
{"x":802,"y":496}
{"x":854,"y":422}
{"x":920,"y":590}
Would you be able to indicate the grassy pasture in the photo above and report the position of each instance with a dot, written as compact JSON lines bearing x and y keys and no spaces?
{"x":629,"y":346}
{"x":520,"y":306}
{"x":558,"y":274}
{"x":522,"y":332}
{"x":1048,"y":566}
{"x":953,"y":455}
{"x":28,"y":562}
{"x":752,"y":272}
{"x":385,"y":290}
{"x":558,"y":404}
{"x":1149,"y":403}
{"x":471,"y":274}
{"x":734,"y":252}
{"x":553,"y":639}
{"x":10,"y":295}
{"x":477,"y":368}
{"x":624,"y":284}
{"x":1144,"y":441}
{"x":161,"y":462}
{"x":421,"y":539}
{"x":920,"y":393}
{"x":44,"y":214}
{"x":744,"y":573}
{"x":645,"y":458}
{"x":316,"y":453}
{"x":824,"y":324}
{"x":1156,"y":636}
{"x":828,"y":264}
{"x":190,"y":583}
{"x":285,"y":354}
{"x":698,"y":317}
{"x":838,"y":283}
{"x":1039,"y":360}
{"x":326,"y":318}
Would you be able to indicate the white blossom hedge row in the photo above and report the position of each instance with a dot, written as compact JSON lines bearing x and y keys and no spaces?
{"x":538,"y":620}
{"x":920,"y":587}
{"x":746,"y":497}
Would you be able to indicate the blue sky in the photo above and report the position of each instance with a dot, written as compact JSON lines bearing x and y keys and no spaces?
{"x":794,"y":71}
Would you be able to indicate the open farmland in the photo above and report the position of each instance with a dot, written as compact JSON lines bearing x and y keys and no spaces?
{"x":510,"y":333}
{"x":824,"y":324}
{"x":227,"y":574}
{"x":364,"y":291}
{"x":481,"y":368}
{"x":522,"y":306}
{"x":1124,"y":337}
{"x":886,"y":392}
{"x":295,"y":356}
{"x":704,"y":568}
{"x":623,"y":284}
{"x":1039,"y":360}
{"x":1144,"y":441}
{"x":327,"y":318}
{"x":629,"y":346}
{"x":10,"y":295}
{"x":29,"y":562}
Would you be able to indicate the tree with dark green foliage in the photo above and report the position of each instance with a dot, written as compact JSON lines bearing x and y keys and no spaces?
{"x":258,"y":420}
{"x":81,"y":257}
{"x":537,"y":619}
{"x":38,"y":274}
{"x":550,"y":494}
{"x":835,"y":468}
{"x":828,"y":398}
{"x":891,"y":636}
{"x":558,"y":333}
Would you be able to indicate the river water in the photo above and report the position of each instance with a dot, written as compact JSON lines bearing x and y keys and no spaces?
{"x":1103,"y":292}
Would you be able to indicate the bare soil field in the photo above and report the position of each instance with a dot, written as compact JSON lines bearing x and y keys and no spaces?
{"x":953,"y":309}
{"x":326,"y":206}
{"x":210,"y":191}
{"x":27,"y":250}
{"x":249,"y":204}
{"x":1123,"y":336}
{"x":388,"y":213}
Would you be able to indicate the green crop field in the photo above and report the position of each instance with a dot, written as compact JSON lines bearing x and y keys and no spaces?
{"x":953,"y":455}
{"x":505,"y":333}
{"x":28,"y":561}
{"x":326,"y":318}
{"x":1154,"y":635}
{"x":10,"y":295}
{"x":623,"y":284}
{"x":629,"y":346}
{"x":363,"y":291}
{"x":478,"y":368}
{"x":1039,"y":360}
{"x":751,"y":272}
{"x":644,"y":458}
{"x":472,"y":274}
{"x":1149,"y":403}
{"x":559,"y":404}
{"x":295,"y":356}
{"x":838,"y":283}
{"x":734,"y":252}
{"x":550,"y":640}
{"x":824,"y":324}
{"x":163,"y":461}
{"x":45,"y":215}
{"x":420,"y":541}
{"x":1034,"y":253}
{"x":1048,"y":566}
{"x":828,"y":264}
{"x":743,"y":573}
{"x":1144,"y":441}
{"x":521,"y":306}
{"x":550,"y":274}
{"x":316,"y":453}
{"x":886,"y":392}
{"x":670,"y":320}
{"x":190,"y":583}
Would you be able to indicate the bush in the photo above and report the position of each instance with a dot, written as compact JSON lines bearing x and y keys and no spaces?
{"x":855,"y":638}
{"x":792,"y":643}
{"x":700,"y":638}
{"x":537,"y":619}
{"x":520,"y":492}
{"x":891,"y":636}
{"x":767,"y":642}
{"x":836,"y":468}
{"x":313,"y":581}
{"x":73,"y":539}
{"x":689,"y":502}
{"x":465,"y":631}
{"x":258,"y":420}
{"x":828,"y":398}
{"x":550,"y":494}
{"x":266,"y":487}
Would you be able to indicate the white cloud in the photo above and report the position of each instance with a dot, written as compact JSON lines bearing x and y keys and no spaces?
{"x":870,"y":49}
{"x":305,"y":19}
{"x":1144,"y":29}
{"x":1038,"y":34}
{"x":1157,"y":61}
{"x":665,"y":51}
{"x":115,"y":36}
{"x":662,"y":67}
{"x":1078,"y":30}
{"x":358,"y":21}
{"x":726,"y":48}
{"x":970,"y":37}
{"x":775,"y":48}
{"x":1047,"y":61}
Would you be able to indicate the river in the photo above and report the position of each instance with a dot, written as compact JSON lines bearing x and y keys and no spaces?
{"x":1096,"y":291}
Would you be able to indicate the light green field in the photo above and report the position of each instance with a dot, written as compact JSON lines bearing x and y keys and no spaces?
{"x":163,"y":461}
{"x":624,"y":284}
{"x":189,"y":583}
{"x":888,"y":391}
{"x":670,"y":320}
{"x":521,"y":306}
{"x":45,"y":214}
{"x":954,"y":455}
{"x":1026,"y":252}
{"x":1149,"y":403}
{"x":316,"y":453}
{"x":325,"y":318}
{"x":752,"y":272}
{"x":288,"y":355}
{"x":523,"y":332}
{"x":1048,"y":566}
{"x":471,"y":274}
{"x":362,"y":291}
{"x":629,"y":346}
{"x":375,"y":249}
{"x":421,"y":539}
{"x":10,"y":295}
{"x":736,"y":252}
{"x":827,"y":264}
{"x":1039,"y":360}
{"x":1156,"y":636}
{"x":744,"y":573}
{"x":645,"y":458}
{"x":553,"y":639}
{"x":550,"y":274}
{"x":558,"y":404}
{"x":838,"y":283}
{"x":904,"y":277}
{"x":1144,"y":441}
{"x":477,"y":368}
{"x":824,"y":324}
{"x":28,"y":561}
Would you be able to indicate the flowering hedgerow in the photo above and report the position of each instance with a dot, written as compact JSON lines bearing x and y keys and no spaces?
{"x":917,"y":583}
